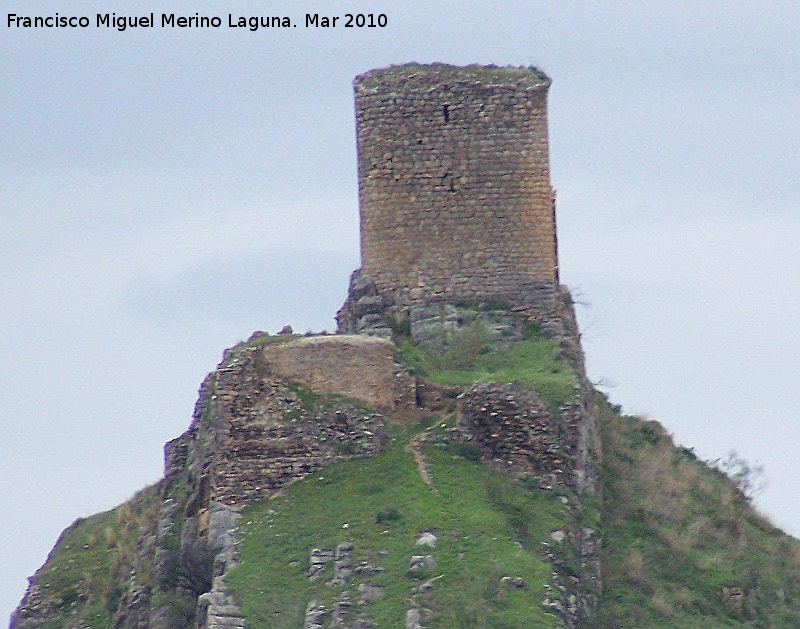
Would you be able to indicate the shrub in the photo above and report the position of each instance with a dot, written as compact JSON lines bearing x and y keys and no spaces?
{"x":388,"y":516}
{"x":748,"y":478}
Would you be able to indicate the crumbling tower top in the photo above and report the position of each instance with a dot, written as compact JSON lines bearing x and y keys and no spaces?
{"x":454,"y":184}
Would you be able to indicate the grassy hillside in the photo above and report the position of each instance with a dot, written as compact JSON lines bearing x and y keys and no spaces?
{"x":488,"y":527}
{"x":88,"y":570}
{"x":682,"y":547}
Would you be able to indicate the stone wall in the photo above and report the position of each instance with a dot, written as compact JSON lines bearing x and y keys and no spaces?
{"x":360,"y":367}
{"x":454,"y":184}
{"x":258,"y":426}
{"x":517,"y":433}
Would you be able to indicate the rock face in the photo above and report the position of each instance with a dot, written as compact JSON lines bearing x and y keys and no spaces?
{"x":217,"y":608}
{"x":363,"y":312}
{"x":343,"y":613}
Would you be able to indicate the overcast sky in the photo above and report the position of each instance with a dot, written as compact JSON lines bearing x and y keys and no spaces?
{"x":165,"y":192}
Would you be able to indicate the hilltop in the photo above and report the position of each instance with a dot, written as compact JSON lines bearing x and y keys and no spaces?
{"x":443,"y":460}
{"x":387,"y":483}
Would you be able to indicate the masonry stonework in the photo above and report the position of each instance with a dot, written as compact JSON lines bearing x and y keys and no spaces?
{"x":454,"y":184}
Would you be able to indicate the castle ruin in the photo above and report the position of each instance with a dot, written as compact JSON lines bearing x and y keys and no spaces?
{"x":455,"y":199}
{"x":457,"y":228}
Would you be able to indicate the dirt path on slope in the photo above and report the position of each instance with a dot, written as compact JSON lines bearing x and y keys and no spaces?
{"x":415,"y":447}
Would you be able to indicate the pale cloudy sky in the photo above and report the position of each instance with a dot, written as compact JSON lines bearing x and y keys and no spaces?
{"x":163,"y":193}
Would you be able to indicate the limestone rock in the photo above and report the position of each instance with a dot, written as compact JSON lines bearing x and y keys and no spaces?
{"x":428,"y":538}
{"x":413,"y":619}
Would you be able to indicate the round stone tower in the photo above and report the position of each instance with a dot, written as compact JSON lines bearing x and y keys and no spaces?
{"x":454,"y":184}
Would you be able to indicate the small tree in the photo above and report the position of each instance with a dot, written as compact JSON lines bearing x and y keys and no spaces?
{"x":748,"y":478}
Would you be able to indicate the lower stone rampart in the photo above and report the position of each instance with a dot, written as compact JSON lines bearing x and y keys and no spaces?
{"x":267,"y":417}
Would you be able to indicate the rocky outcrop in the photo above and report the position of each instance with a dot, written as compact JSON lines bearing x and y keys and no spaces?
{"x":363,"y":311}
{"x":342,"y":613}
{"x":217,"y":608}
{"x":340,"y":564}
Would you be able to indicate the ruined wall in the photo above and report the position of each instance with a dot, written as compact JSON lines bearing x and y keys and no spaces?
{"x":454,"y":184}
{"x":257,"y":427}
{"x":359,"y":367}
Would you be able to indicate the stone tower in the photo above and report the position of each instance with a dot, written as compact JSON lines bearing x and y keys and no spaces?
{"x":454,"y":185}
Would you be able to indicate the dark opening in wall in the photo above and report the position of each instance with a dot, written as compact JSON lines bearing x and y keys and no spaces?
{"x":446,"y":112}
{"x":448,"y":182}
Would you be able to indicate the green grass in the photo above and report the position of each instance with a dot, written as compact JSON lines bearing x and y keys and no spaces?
{"x":533,"y":361}
{"x":488,"y":525}
{"x":89,"y":567}
{"x":676,"y":533}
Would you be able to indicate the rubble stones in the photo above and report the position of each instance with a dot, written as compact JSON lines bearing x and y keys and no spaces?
{"x":315,"y":615}
{"x":342,"y":613}
{"x":316,"y":563}
{"x":516,"y":431}
{"x":364,"y":568}
{"x":421,"y":564}
{"x":514,"y":582}
{"x":342,"y":564}
{"x":369,"y":592}
{"x":413,"y":619}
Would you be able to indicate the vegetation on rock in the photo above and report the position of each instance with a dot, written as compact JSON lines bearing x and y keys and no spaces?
{"x":86,"y":574}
